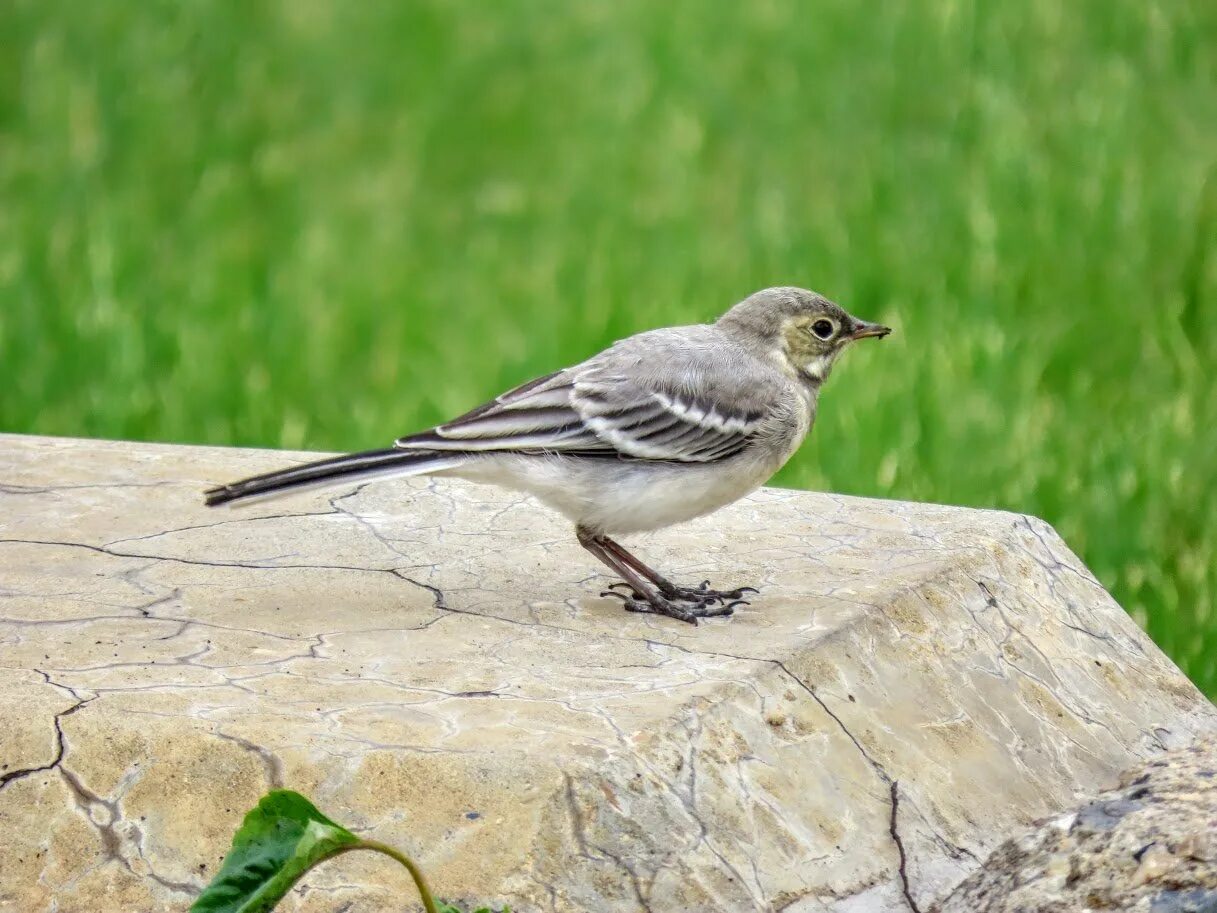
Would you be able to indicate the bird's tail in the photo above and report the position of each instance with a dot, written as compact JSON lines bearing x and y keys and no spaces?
{"x":335,"y":471}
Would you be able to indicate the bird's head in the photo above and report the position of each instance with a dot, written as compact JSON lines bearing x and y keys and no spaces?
{"x":802,"y":331}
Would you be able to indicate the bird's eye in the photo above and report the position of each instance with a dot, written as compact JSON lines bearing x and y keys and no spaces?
{"x":823,"y":328}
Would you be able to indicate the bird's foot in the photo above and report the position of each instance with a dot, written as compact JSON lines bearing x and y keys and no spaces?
{"x":701,"y":595}
{"x":662,"y":605}
{"x":684,"y":603}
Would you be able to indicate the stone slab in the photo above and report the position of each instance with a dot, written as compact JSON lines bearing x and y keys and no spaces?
{"x":431,"y":663}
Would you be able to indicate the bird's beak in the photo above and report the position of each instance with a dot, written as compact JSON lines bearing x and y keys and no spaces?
{"x":865,"y":329}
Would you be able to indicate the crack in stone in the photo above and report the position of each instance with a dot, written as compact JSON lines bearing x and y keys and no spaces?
{"x":112,"y":842}
{"x":60,"y":742}
{"x":1054,"y":563}
{"x":105,"y":550}
{"x":580,"y":833}
{"x":895,"y":835}
{"x":884,"y":776}
{"x":270,"y":761}
{"x":1080,"y":714}
{"x":86,"y":800}
{"x":363,"y":521}
{"x":228,"y":522}
{"x":695,"y":812}
{"x":10,"y":488}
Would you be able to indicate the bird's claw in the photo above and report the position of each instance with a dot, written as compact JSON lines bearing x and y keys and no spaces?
{"x":670,"y":609}
{"x":683,"y":603}
{"x":689,"y":614}
{"x":703,"y":595}
{"x":624,"y":592}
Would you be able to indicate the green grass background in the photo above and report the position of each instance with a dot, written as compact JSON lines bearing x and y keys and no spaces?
{"x":322,"y":224}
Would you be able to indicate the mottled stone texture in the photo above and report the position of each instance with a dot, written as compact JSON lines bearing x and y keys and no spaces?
{"x":430,"y":661}
{"x":1147,"y":846}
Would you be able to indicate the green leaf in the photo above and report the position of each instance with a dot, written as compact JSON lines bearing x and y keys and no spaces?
{"x":280,"y":840}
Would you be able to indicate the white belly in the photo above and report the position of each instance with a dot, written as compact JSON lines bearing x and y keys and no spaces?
{"x":618,"y":497}
{"x":639,"y":497}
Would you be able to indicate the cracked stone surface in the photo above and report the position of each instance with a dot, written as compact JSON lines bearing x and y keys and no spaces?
{"x":430,"y":662}
{"x":1149,"y":845}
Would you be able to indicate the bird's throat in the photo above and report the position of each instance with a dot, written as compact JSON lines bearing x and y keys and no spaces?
{"x":816,"y":370}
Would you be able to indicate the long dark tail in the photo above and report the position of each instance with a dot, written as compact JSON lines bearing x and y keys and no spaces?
{"x":335,"y":471}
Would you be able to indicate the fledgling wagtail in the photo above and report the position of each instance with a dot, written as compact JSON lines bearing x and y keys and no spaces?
{"x":659,"y":428}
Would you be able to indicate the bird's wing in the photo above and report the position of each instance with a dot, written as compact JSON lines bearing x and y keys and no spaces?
{"x":537,"y":415}
{"x":685,"y":395}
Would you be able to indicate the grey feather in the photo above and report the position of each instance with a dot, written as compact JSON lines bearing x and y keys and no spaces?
{"x":686,"y":394}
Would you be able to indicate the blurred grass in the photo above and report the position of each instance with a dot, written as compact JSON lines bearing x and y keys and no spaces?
{"x":315,"y":224}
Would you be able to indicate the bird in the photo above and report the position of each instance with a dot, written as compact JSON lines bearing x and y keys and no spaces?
{"x":660,"y":428}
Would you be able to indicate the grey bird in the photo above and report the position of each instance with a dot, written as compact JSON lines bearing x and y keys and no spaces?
{"x":659,"y":428}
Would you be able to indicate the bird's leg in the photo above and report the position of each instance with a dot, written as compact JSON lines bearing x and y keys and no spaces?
{"x":701,"y":595}
{"x":646,"y":596}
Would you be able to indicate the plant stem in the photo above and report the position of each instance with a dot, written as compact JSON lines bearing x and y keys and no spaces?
{"x":415,"y":872}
